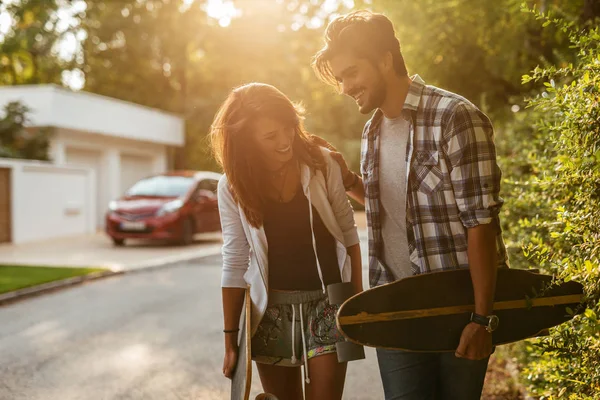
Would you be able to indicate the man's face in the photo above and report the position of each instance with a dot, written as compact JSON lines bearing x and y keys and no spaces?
{"x":359,"y":79}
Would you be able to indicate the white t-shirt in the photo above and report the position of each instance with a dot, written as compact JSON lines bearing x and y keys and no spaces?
{"x":394,"y":135}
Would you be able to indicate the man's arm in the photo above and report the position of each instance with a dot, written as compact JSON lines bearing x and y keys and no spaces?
{"x":481,"y":251}
{"x":468,"y":143}
{"x":352,"y":182}
{"x":476,"y":342}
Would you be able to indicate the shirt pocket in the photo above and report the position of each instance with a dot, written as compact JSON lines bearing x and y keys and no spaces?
{"x":428,"y":176}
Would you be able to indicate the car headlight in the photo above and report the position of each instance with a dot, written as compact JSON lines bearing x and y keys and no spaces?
{"x":112,"y":206}
{"x":170,"y":207}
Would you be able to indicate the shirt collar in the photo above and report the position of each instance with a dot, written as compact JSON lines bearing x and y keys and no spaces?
{"x":413,"y":98}
{"x":411,"y":103}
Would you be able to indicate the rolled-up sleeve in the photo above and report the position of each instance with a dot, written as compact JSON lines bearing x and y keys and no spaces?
{"x":338,"y":199}
{"x":475,"y":173}
{"x":235,"y":250}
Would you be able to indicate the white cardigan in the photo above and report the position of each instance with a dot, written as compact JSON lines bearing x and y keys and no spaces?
{"x":245,"y":254}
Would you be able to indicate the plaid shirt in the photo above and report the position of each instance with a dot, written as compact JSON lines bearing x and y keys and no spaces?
{"x":453,"y":181}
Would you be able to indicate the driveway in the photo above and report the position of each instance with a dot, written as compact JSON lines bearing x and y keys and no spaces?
{"x":98,"y":251}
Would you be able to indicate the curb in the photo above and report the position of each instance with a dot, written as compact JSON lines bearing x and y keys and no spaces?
{"x":36,"y":290}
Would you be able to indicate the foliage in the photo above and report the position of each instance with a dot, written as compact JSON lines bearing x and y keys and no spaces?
{"x":28,"y":53}
{"x":17,"y":141}
{"x":553,"y":207}
{"x":478,"y":52}
{"x":172,"y":56}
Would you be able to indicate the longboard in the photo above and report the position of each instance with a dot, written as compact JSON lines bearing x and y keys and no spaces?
{"x":241,"y":382}
{"x":242,"y":375}
{"x":428,"y":312}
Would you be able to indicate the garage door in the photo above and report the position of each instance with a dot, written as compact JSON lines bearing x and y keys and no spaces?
{"x":5,"y":215}
{"x":134,"y":168}
{"x":91,"y":159}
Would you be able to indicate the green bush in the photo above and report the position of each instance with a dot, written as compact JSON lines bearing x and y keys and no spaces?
{"x":552,"y":212}
{"x":18,"y":141}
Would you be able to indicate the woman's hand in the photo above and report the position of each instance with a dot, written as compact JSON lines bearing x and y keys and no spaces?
{"x":229,"y":362}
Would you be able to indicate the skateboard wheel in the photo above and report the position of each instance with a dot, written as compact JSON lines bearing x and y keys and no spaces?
{"x":338,"y":293}
{"x":348,"y":351}
{"x":266,"y":396}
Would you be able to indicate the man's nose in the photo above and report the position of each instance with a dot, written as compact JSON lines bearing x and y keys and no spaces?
{"x":347,"y":89}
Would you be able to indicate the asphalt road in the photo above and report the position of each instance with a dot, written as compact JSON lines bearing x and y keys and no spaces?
{"x":150,"y":335}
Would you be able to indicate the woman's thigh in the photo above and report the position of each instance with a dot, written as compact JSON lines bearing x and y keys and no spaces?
{"x":327,"y":377}
{"x":283,"y":382}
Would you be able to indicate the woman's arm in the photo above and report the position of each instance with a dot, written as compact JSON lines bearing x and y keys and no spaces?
{"x":356,"y":262}
{"x":236,"y":253}
{"x":233,"y":301}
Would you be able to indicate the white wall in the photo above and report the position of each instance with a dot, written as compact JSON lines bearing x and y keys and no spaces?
{"x":54,"y":106}
{"x":118,"y":162}
{"x":50,"y":201}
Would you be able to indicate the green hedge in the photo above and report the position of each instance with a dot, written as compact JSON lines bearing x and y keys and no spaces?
{"x":552,"y":213}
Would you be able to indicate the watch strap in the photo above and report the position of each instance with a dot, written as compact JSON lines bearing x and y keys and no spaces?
{"x":480,"y":319}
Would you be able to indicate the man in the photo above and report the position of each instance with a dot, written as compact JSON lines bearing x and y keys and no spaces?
{"x":430,"y":184}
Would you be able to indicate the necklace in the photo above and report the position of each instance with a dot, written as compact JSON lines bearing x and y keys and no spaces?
{"x":283,"y":173}
{"x":281,"y":189}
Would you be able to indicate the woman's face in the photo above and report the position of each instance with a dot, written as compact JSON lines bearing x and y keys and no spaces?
{"x":274,"y":141}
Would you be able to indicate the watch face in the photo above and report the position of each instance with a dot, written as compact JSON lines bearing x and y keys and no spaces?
{"x":494,"y":322}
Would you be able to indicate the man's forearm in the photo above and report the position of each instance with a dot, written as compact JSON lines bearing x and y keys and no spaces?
{"x":357,"y":190}
{"x":481,"y":250}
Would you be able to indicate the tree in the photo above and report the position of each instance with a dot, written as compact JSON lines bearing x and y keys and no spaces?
{"x":28,"y":52}
{"x":17,"y":141}
{"x":479,"y":51}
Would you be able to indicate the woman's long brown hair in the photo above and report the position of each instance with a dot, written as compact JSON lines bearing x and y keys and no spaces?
{"x":234,"y":149}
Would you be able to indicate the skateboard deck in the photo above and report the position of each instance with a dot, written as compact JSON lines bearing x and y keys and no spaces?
{"x":242,"y":375}
{"x":429,"y":312}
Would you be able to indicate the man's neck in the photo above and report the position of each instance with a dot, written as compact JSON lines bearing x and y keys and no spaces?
{"x":397,"y":90}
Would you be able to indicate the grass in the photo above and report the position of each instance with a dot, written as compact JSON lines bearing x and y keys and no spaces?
{"x":14,"y":277}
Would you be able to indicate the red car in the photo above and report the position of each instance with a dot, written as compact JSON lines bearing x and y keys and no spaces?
{"x":172,"y":206}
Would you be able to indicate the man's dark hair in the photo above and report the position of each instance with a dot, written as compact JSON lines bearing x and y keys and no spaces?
{"x":364,"y":33}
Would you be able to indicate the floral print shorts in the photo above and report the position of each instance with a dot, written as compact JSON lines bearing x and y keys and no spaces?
{"x":295,"y":325}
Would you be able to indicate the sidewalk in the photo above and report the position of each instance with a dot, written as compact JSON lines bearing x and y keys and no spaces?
{"x":98,"y":251}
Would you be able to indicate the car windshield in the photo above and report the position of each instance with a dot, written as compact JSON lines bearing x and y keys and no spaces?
{"x":161,"y":186}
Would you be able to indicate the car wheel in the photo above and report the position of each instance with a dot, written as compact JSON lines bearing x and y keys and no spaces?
{"x":118,"y":242}
{"x":187,"y":235}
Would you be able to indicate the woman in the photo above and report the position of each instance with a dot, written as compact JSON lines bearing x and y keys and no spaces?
{"x":288,"y":232}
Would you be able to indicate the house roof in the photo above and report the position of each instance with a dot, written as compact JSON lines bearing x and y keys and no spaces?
{"x":55,"y":106}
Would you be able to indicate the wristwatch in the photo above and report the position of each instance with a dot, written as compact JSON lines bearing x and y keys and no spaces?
{"x":490,"y":322}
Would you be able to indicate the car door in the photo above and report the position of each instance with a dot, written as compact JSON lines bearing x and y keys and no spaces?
{"x":206,"y":212}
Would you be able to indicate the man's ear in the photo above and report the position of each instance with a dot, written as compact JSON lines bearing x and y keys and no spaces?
{"x":386,"y":64}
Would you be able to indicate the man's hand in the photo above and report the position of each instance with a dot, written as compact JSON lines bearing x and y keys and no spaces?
{"x":337,"y":156}
{"x":352,"y":182}
{"x":229,"y":362}
{"x":475,"y":342}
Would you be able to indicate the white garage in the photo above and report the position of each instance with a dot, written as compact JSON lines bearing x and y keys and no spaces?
{"x":118,"y":141}
{"x":134,"y":168}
